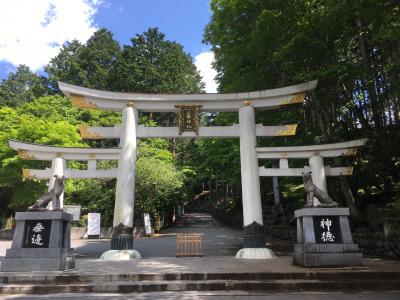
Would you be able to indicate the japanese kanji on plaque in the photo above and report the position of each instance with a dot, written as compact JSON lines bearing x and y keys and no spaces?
{"x":327,"y":230}
{"x":188,"y":118}
{"x":37,"y":234}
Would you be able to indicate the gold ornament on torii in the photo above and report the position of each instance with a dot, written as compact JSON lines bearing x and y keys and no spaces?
{"x":188,"y":118}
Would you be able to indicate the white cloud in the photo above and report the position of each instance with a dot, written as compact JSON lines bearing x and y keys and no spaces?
{"x":203,"y":63}
{"x":33,"y":31}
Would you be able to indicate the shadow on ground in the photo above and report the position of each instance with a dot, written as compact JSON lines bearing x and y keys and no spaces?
{"x":217,"y":240}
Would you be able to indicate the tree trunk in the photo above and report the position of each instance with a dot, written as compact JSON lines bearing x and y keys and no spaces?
{"x":277,"y":196}
{"x":210,"y":189}
{"x":369,"y":78}
{"x":350,"y":201}
{"x":344,"y":185}
{"x":357,"y":110}
{"x":396,"y":101}
{"x":275,"y":186}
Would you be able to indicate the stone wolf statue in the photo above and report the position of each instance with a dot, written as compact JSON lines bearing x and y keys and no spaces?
{"x":313,"y":191}
{"x":53,"y":195}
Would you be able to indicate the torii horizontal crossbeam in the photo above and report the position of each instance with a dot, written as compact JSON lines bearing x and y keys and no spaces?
{"x":327,"y":150}
{"x":68,"y":173}
{"x":42,"y":152}
{"x":173,"y":132}
{"x":267,"y":99}
{"x":297,"y":172}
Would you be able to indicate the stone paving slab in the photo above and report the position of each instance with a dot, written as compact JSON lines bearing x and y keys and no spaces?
{"x":221,"y":264}
{"x":220,"y":295}
{"x":219,"y":246}
{"x":215,"y":264}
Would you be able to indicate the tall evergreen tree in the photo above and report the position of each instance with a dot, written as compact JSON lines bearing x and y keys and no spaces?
{"x":86,"y":65}
{"x":153,"y":64}
{"x":351,"y":46}
{"x":22,"y":86}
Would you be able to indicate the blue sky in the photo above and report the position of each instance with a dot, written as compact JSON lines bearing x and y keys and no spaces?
{"x":37,"y":29}
{"x":181,"y":20}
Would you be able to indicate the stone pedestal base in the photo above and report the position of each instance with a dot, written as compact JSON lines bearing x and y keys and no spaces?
{"x":121,"y":245}
{"x":253,"y":236}
{"x":120,"y":255}
{"x":324,"y":239}
{"x":41,"y":243}
{"x":255,"y":253}
{"x":328,"y":259}
{"x":254,"y":243}
{"x":122,"y":238}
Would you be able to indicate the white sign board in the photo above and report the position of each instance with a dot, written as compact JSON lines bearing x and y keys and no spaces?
{"x":74,"y":210}
{"x":147,"y":224}
{"x":93,"y":224}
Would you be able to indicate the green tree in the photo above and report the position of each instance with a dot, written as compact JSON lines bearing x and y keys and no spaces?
{"x":155,"y":65}
{"x":150,"y":64}
{"x":22,"y":86}
{"x":157,"y":187}
{"x":86,"y":65}
{"x":20,"y":124}
{"x":66,"y":65}
{"x":351,"y":46}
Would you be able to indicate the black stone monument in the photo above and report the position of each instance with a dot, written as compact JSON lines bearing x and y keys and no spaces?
{"x":324,"y":238}
{"x":41,"y":243}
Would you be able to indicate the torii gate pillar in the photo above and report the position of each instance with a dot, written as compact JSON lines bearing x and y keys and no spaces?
{"x":58,"y":165}
{"x":125,"y":192}
{"x":254,"y":240}
{"x":318,"y":174}
{"x":122,"y":238}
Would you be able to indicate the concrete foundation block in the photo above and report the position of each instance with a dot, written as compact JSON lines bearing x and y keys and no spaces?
{"x":328,"y":259}
{"x":121,"y":255}
{"x":23,"y":264}
{"x":255,"y":253}
{"x":38,"y":252}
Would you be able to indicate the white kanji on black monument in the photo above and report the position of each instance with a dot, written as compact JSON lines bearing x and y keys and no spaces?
{"x":37,"y":234}
{"x":327,"y":230}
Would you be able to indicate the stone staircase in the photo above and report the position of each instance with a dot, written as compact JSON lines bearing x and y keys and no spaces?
{"x":353,"y":280}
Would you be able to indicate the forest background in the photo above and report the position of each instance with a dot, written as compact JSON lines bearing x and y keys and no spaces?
{"x":351,"y":46}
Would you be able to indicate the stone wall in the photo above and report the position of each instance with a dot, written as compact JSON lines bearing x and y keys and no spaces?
{"x":376,"y":244}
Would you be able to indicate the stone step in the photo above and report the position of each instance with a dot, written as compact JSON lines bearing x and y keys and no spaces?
{"x":208,"y":285}
{"x":350,"y":274}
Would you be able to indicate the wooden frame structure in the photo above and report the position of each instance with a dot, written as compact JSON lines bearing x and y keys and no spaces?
{"x":188,"y":244}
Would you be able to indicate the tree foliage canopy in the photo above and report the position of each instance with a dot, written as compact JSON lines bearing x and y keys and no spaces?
{"x":351,"y":46}
{"x":150,"y":64}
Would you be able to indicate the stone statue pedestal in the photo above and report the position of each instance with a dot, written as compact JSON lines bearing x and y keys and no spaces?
{"x":41,"y":243}
{"x":324,"y":238}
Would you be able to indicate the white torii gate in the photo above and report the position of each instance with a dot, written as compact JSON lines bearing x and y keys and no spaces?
{"x":130,"y":104}
{"x":59,"y":156}
{"x":245,"y":103}
{"x":315,"y":155}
